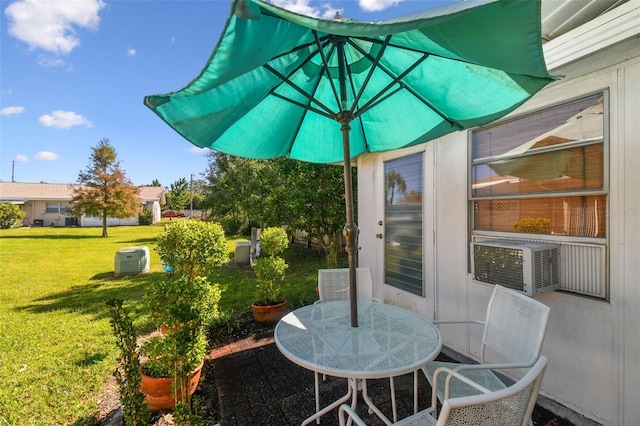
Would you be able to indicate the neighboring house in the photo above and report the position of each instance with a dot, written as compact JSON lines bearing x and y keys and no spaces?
{"x":565,"y":167}
{"x":49,"y":204}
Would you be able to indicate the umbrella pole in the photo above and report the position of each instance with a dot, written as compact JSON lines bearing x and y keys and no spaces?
{"x":351,"y":229}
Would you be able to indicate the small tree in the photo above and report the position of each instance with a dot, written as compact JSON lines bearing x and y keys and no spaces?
{"x":185,"y":304}
{"x":270,"y":268}
{"x":192,"y":248}
{"x":177,"y":195}
{"x":128,"y":377}
{"x":145,"y":217}
{"x":10,"y":215}
{"x":104,"y":190}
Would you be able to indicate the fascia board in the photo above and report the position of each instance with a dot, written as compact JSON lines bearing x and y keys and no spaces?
{"x":604,"y":31}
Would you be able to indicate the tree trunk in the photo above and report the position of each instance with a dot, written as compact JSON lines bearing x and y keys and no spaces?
{"x":104,"y":225}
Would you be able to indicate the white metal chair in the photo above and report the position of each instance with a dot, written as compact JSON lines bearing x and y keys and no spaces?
{"x":333,"y":284}
{"x":514,"y":330}
{"x":511,"y":406}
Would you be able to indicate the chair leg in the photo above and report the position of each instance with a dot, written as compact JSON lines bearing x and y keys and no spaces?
{"x":394,"y":409}
{"x":415,"y":392}
{"x":317,"y":385}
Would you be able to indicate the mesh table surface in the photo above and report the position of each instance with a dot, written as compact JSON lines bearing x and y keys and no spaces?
{"x":389,"y":341}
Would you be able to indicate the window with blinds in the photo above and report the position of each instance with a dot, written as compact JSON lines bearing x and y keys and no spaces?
{"x":542,"y":173}
{"x":544,"y":177}
{"x":403,"y":223}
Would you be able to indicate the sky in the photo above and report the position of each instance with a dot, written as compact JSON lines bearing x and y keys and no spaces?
{"x":74,"y":72}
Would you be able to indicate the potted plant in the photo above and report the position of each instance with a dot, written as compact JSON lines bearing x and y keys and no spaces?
{"x":183,"y":305}
{"x":270,"y":270}
{"x":172,"y":367}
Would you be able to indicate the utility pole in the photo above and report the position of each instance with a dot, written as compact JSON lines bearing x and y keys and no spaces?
{"x":13,"y":169}
{"x":191,"y":197}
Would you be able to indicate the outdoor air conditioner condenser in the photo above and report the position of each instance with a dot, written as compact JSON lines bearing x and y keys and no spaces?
{"x":132,"y":261}
{"x":530,"y":267}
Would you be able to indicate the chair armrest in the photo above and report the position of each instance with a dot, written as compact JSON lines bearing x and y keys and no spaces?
{"x":345,"y":409}
{"x":459,"y":322}
{"x":451,"y":373}
{"x":499,"y":366}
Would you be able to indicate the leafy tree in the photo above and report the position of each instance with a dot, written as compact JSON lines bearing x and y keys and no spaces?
{"x":277,"y":192}
{"x":154,"y":182}
{"x":177,"y":195}
{"x":104,"y":190}
{"x":198,"y":190}
{"x":314,"y":199}
{"x":233,"y":189}
{"x":10,"y":215}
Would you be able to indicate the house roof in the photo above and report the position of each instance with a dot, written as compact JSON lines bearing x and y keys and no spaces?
{"x":16,"y":191}
{"x":559,"y":17}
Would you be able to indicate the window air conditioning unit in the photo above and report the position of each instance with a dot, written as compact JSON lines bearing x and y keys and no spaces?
{"x":530,"y":267}
{"x":132,"y":261}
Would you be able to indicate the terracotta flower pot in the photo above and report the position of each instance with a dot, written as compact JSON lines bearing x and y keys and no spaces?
{"x":158,"y":392}
{"x":269,"y":314}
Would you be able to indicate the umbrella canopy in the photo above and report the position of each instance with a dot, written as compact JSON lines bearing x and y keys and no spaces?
{"x":325,"y":91}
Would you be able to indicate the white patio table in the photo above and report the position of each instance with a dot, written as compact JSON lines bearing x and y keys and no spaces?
{"x":389,"y":341}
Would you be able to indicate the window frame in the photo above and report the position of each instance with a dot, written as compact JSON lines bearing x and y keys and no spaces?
{"x":571,"y":241}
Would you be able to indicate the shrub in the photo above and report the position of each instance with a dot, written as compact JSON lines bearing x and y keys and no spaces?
{"x":273,"y":241}
{"x":269,"y":268}
{"x":192,"y":247}
{"x":145,"y":217}
{"x":270,"y":271}
{"x":10,"y":215}
{"x":128,"y":377}
{"x":179,"y":301}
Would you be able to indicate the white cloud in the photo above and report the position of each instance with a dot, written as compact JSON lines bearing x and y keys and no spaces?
{"x":377,"y":5}
{"x":131,"y":52}
{"x":197,"y":151}
{"x":12,"y":110}
{"x":51,"y":25}
{"x":63,"y":120}
{"x":46,"y":156}
{"x":325,"y":11}
{"x":48,"y":62}
{"x":21,"y":158}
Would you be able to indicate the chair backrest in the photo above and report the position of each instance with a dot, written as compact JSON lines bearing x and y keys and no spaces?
{"x":333,"y":284}
{"x":507,"y":407}
{"x":515,"y":326}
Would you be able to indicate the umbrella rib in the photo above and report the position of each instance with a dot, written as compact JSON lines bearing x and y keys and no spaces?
{"x":327,"y":112}
{"x":326,"y":65}
{"x":304,"y":106}
{"x":375,"y":100}
{"x":408,"y":49}
{"x":407,"y":88}
{"x":371,"y":69}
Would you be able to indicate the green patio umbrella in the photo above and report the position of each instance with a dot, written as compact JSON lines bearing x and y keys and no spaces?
{"x":280,"y":84}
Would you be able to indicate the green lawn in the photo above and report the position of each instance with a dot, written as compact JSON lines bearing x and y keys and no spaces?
{"x":56,"y":347}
